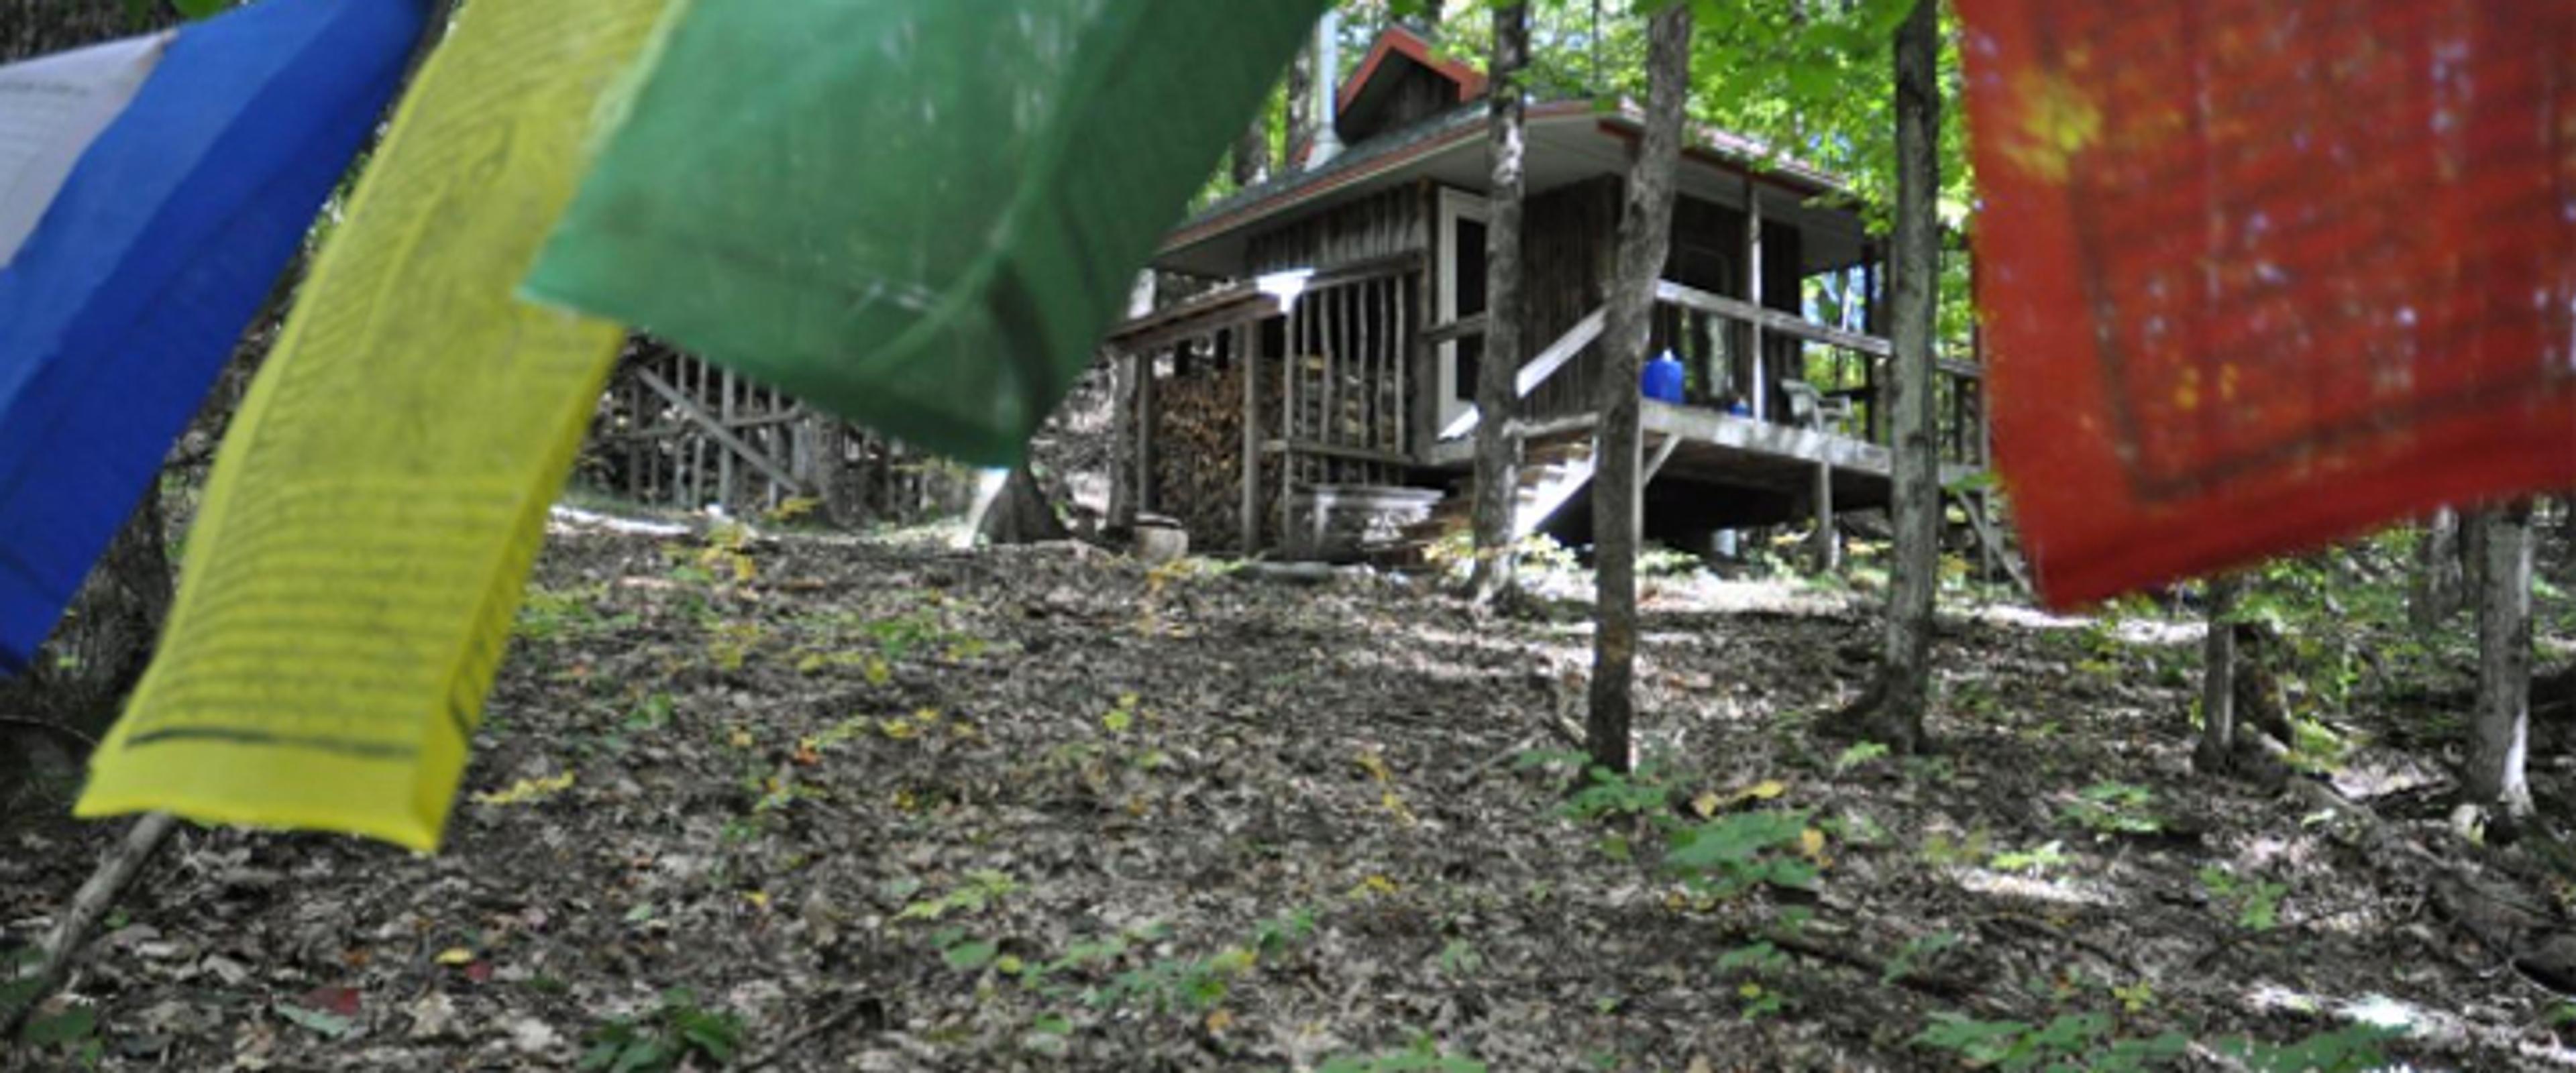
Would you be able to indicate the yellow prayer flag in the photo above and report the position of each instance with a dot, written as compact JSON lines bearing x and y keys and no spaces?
{"x":376,"y":506}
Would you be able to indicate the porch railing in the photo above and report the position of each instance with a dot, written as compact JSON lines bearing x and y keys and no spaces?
{"x":1735,"y":348}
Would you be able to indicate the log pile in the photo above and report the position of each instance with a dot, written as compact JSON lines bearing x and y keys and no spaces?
{"x":1198,"y":453}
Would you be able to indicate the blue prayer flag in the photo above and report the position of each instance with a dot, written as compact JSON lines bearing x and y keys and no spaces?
{"x":126,"y":299}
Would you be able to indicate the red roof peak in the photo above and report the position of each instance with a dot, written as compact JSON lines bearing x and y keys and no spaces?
{"x":1398,"y":40}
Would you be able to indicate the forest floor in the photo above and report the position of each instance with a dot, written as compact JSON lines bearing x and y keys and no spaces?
{"x":828,"y":803}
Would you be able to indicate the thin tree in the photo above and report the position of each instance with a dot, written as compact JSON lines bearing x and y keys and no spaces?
{"x":1252,"y":151}
{"x":1645,"y":236}
{"x":1904,"y":686}
{"x":2217,"y":750}
{"x":1126,"y":375}
{"x":1497,"y":438}
{"x":2435,"y":593}
{"x":1300,"y":125}
{"x":2496,"y":781}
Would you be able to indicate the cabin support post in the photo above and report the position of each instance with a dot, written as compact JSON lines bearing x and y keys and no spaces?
{"x":1760,"y":395}
{"x":1328,"y":393}
{"x":1145,"y":364}
{"x":1872,"y":323}
{"x":632,"y":403}
{"x":1297,"y":339}
{"x":724,"y":459}
{"x":1248,"y":349}
{"x":693,"y":380}
{"x":1405,"y":352}
{"x":1828,"y":548}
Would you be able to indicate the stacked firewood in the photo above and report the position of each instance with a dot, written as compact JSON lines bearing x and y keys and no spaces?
{"x":1198,"y":454}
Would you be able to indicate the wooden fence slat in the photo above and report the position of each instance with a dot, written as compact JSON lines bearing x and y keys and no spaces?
{"x":708,"y":429}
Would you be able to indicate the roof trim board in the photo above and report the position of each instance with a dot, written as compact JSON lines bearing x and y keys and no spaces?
{"x":1360,"y":165}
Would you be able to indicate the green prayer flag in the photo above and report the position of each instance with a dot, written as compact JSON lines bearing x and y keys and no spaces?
{"x":917,"y":214}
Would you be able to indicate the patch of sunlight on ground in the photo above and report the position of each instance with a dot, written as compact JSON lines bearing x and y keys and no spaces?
{"x":2061,"y":891}
{"x":2136,"y":631}
{"x":2374,"y":777}
{"x":2419,"y":1022}
{"x":564,"y":519}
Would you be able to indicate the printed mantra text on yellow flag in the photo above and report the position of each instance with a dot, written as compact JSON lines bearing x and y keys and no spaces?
{"x":374,"y":510}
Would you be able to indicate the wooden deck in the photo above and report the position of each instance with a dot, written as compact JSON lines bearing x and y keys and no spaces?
{"x":1771,"y":467}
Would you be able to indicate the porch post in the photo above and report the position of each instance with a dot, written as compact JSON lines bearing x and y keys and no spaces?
{"x":1145,"y":422}
{"x":1760,"y":396}
{"x":1873,"y":322}
{"x":1247,"y":348}
{"x":1288,"y":420}
{"x":1828,"y":549}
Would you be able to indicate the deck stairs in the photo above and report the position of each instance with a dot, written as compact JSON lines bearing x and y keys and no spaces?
{"x":1554,"y":469}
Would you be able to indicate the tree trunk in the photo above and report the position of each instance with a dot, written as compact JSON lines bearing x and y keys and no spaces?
{"x":2434,"y":595}
{"x":2566,"y":537}
{"x":2218,"y":679}
{"x":1019,"y":513}
{"x":104,"y":641}
{"x":1645,"y":234}
{"x":1123,"y":381}
{"x":1497,"y":438}
{"x":1301,"y":110}
{"x":2501,"y":739}
{"x":1905,"y":673}
{"x":1252,"y":152}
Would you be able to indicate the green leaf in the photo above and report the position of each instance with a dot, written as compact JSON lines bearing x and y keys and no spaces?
{"x":1755,"y":956}
{"x":327,"y":1024}
{"x":1859,"y":753}
{"x":199,"y":9}
{"x":711,"y":1033}
{"x":641,"y":1054}
{"x":71,"y":1025}
{"x":967,"y":957}
{"x":1979,"y":1040}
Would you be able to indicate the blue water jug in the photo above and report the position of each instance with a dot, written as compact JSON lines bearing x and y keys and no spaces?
{"x":1663,"y":378}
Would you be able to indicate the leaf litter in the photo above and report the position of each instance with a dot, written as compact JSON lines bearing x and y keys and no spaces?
{"x":829,"y":803}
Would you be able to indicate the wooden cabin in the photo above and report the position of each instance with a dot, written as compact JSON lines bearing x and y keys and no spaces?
{"x":1318,"y":402}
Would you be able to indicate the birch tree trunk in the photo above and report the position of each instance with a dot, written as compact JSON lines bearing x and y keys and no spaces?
{"x":1497,"y":439}
{"x":1645,"y":235}
{"x":2498,"y":746}
{"x":1905,"y":669}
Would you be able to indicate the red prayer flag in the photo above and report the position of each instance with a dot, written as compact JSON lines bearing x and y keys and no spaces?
{"x":2261,"y":274}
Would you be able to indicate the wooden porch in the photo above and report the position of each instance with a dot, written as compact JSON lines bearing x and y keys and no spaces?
{"x":1298,"y":420}
{"x":1821,"y":452}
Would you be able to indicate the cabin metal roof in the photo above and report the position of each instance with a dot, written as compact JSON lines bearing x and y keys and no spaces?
{"x":1569,"y":141}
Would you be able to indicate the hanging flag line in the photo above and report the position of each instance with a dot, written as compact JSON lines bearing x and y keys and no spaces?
{"x":928,"y":235}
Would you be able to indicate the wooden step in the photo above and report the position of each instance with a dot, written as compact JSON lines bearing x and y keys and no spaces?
{"x":1536,"y":455}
